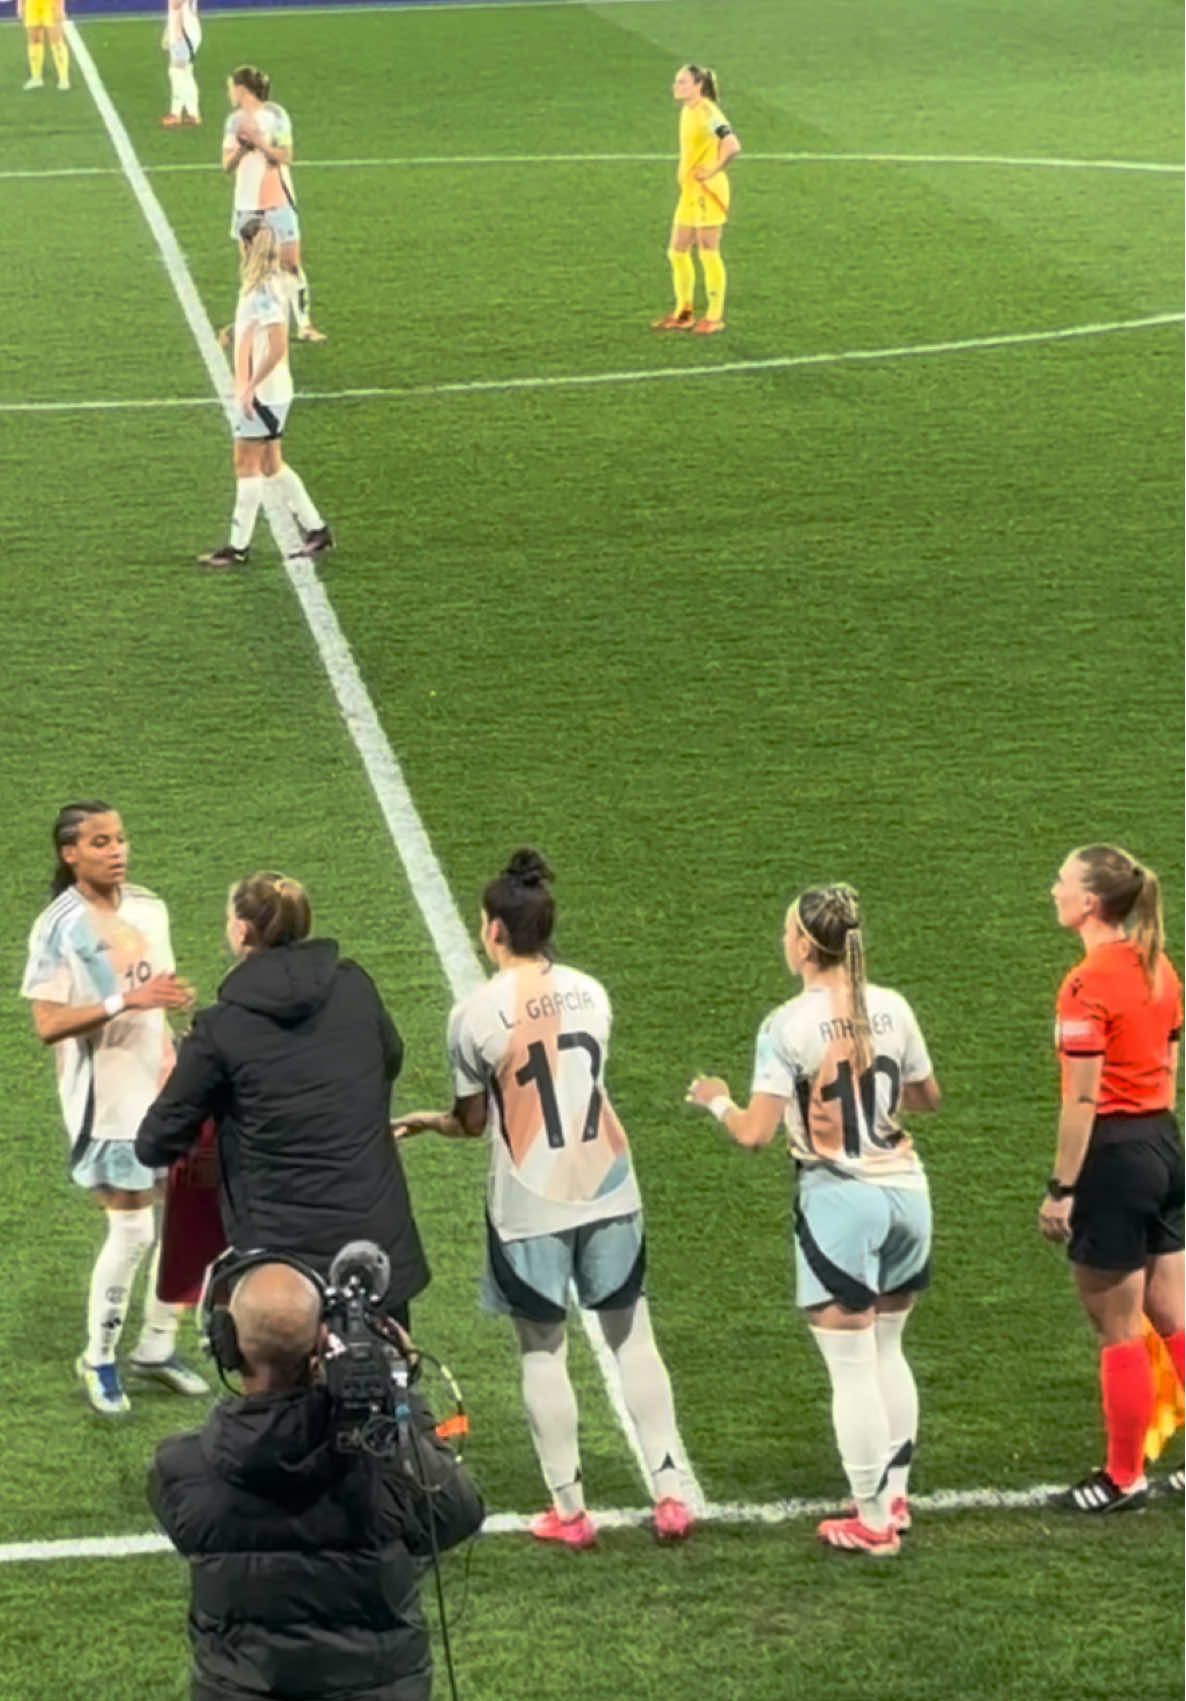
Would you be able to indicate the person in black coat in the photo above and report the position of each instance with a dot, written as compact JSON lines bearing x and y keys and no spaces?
{"x":295,"y":1063}
{"x":303,"y":1558}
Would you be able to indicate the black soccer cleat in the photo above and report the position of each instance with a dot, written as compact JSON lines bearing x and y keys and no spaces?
{"x":318,"y":540}
{"x":1098,"y":1493}
{"x":227,"y":556}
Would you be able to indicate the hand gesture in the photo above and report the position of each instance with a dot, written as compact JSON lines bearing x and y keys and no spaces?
{"x":415,"y":1122}
{"x":704,"y":1089}
{"x":160,"y":992}
{"x":247,"y":399}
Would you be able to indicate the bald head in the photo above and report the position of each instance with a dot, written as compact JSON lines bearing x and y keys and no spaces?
{"x":277,"y":1314}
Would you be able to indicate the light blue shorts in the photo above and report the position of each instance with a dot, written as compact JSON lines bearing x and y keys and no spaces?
{"x":282,"y":220}
{"x":855,"y":1240}
{"x":183,"y":52}
{"x":112,"y":1163}
{"x":605,"y":1262}
{"x":265,"y":421}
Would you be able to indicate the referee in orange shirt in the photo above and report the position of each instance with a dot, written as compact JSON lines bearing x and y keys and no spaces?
{"x":1115,"y":1196}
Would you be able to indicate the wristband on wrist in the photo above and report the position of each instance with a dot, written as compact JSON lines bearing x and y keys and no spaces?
{"x":721,"y":1106}
{"x":1057,"y":1189}
{"x":114,"y":1003}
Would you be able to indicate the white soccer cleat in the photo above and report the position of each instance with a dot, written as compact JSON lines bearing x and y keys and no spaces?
{"x":171,"y":1373}
{"x":34,"y":83}
{"x":102,"y":1387}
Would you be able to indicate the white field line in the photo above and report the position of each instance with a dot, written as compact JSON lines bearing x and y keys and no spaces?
{"x":517,"y":1523}
{"x":407,"y":831}
{"x":653,"y":374}
{"x":400,"y":161}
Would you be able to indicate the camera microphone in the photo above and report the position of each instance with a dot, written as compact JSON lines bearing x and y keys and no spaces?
{"x":362,"y":1263}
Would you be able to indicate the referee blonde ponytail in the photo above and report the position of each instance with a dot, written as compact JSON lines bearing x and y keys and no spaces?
{"x":829,"y":918}
{"x":1129,"y":896}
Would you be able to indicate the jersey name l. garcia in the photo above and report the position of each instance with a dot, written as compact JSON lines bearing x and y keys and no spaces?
{"x":80,"y":954}
{"x":535,"y":1039}
{"x":837,"y":1115}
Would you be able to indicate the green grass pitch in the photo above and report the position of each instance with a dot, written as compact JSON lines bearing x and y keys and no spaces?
{"x":911,"y":621}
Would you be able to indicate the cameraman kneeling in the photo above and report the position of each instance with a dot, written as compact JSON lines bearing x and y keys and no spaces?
{"x":303,"y":1558}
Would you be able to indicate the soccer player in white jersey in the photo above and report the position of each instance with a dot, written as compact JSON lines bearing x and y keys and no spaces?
{"x":181,"y":39}
{"x":527,"y":1052}
{"x":264,"y":391}
{"x":834,"y":1066}
{"x":257,"y":150}
{"x":101,"y":976}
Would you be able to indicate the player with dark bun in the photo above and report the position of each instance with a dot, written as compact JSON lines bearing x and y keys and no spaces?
{"x":1115,"y":1194}
{"x":527,"y":1050}
{"x":834,"y":1066}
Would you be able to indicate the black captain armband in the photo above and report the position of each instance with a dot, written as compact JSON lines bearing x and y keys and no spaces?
{"x":723,"y":130}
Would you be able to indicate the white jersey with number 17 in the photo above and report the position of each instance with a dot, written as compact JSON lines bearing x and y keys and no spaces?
{"x":535,"y":1039}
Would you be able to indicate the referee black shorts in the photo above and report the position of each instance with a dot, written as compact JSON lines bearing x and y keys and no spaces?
{"x":1128,"y":1199}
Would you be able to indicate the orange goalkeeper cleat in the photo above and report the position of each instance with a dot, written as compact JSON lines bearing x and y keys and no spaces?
{"x":706,"y":327}
{"x":683,"y":320}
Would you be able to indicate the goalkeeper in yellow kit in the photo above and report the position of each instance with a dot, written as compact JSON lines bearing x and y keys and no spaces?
{"x":706,"y":145}
{"x":43,"y":18}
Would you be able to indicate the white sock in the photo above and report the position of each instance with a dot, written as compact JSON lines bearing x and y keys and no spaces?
{"x":177,"y":90}
{"x":859,"y":1418}
{"x":900,"y":1395}
{"x":189,"y":92}
{"x":298,"y":297}
{"x":551,"y":1409}
{"x":646,"y":1389}
{"x":280,"y":517}
{"x":299,"y":500}
{"x":129,"y":1236}
{"x":249,"y":494}
{"x":158,"y":1333}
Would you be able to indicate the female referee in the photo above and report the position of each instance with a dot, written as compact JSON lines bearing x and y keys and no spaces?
{"x":257,"y":149}
{"x":527,"y":1052}
{"x":264,"y":391}
{"x":834,"y":1065}
{"x":100,"y":977}
{"x":706,"y":145}
{"x":1115,"y":1195}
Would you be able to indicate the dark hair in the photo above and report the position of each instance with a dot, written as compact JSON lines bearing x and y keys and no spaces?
{"x":1129,"y":897}
{"x":65,"y":832}
{"x":250,"y":77}
{"x":706,"y":80}
{"x":275,"y":908}
{"x":829,"y":918}
{"x":520,"y":897}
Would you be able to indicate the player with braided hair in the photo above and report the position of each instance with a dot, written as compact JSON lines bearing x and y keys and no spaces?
{"x":834,"y":1065}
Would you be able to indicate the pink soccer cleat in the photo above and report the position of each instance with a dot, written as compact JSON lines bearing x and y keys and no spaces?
{"x":576,"y":1532}
{"x":673,"y":1521}
{"x":855,"y":1537}
{"x":899,"y":1513}
{"x":708,"y":327}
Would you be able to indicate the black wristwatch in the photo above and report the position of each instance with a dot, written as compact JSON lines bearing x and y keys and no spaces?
{"x":1056,"y":1189}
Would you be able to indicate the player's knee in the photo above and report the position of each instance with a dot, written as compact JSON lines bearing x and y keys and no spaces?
{"x":135,"y":1229}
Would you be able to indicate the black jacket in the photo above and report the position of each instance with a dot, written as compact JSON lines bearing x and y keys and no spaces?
{"x":303,"y":1559}
{"x":295,"y":1063}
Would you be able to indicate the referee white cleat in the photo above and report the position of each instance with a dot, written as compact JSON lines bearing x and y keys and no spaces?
{"x":102,"y":1387}
{"x":1098,"y":1493}
{"x":171,"y":1373}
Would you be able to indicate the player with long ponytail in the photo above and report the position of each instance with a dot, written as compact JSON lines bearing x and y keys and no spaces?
{"x":707,"y":143}
{"x":834,"y":1066}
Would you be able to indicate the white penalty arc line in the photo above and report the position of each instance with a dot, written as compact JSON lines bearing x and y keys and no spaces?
{"x":770,"y":1513}
{"x":653,"y":374}
{"x":409,"y":837}
{"x":402,"y":161}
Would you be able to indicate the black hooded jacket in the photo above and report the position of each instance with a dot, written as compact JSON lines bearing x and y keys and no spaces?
{"x":295,"y":1063}
{"x":303,"y":1558}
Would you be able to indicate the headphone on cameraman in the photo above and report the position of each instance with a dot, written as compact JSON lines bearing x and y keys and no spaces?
{"x":216,"y":1325}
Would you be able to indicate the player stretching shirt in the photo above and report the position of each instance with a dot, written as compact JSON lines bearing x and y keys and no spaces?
{"x":527,"y":1052}
{"x":257,"y":148}
{"x":100,"y":976}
